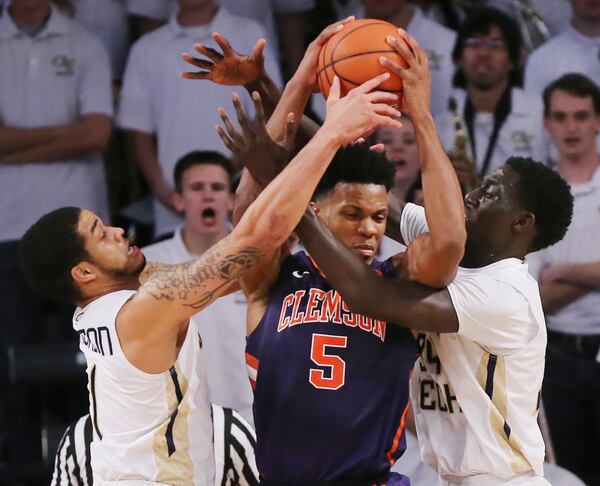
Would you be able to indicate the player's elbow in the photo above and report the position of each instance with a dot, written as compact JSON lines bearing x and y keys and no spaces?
{"x":266,"y":234}
{"x":438,"y":271}
{"x":439,"y":278}
{"x":451,"y":245}
{"x":447,"y":254}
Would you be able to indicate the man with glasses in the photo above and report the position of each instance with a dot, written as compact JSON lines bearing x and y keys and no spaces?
{"x":499,"y":119}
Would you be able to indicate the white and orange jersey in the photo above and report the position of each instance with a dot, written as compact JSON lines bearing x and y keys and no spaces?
{"x":150,"y":427}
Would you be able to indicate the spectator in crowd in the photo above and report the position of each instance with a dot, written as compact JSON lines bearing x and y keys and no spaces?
{"x":55,"y":118}
{"x":401,"y":149}
{"x":499,"y":119}
{"x":400,"y":145}
{"x":203,"y":194}
{"x":169,"y":116}
{"x":444,"y":12}
{"x":281,"y":19}
{"x":575,"y":50}
{"x":569,"y":278}
{"x":108,"y":20}
{"x":555,"y":14}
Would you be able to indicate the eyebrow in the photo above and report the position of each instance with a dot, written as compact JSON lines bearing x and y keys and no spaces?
{"x":94,"y":224}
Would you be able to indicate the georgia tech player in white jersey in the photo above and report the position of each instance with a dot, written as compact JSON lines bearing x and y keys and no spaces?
{"x":477,"y":381}
{"x":479,"y":388}
{"x":478,"y":378}
{"x":147,"y":401}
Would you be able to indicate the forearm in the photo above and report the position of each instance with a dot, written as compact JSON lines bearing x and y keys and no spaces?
{"x":14,"y":140}
{"x":293,"y":100}
{"x":556,"y":295}
{"x":247,"y":192}
{"x":268,"y":91}
{"x":401,"y":302}
{"x":89,"y":134}
{"x":272,"y":217}
{"x":583,"y":274}
{"x":443,"y":200}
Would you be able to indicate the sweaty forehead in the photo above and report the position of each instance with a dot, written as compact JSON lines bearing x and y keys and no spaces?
{"x":506,"y":180}
{"x":368,"y":196}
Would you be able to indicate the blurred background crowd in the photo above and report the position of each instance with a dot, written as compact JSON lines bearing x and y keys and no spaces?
{"x":94,"y":113}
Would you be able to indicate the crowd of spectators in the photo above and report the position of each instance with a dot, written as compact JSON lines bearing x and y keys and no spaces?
{"x":94,"y":113}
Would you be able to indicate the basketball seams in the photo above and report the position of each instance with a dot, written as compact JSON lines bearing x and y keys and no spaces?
{"x":333,"y":63}
{"x":362,"y":26}
{"x":329,"y":66}
{"x":346,"y":34}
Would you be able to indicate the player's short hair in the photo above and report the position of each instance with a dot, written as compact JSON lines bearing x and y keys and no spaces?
{"x":200,"y":157}
{"x":356,"y":164}
{"x":49,"y":250}
{"x":575,"y":84}
{"x":479,"y":22}
{"x":547,"y":195}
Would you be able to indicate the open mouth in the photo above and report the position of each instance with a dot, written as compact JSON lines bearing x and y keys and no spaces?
{"x":208,"y":216}
{"x":209,"y":213}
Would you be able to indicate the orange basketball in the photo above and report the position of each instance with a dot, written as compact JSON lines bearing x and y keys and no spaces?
{"x":353,"y":55}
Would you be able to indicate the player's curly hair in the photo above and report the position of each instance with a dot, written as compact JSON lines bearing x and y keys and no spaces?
{"x":356,"y":163}
{"x":547,"y":195}
{"x":49,"y":250}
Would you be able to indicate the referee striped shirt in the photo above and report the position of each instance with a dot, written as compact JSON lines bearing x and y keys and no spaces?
{"x":234,"y":443}
{"x":72,"y":464}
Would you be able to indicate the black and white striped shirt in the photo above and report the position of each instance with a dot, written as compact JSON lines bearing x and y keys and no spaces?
{"x":234,"y":443}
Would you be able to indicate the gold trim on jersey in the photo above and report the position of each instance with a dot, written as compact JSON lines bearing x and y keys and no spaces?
{"x":171,"y":440}
{"x":491,"y":376}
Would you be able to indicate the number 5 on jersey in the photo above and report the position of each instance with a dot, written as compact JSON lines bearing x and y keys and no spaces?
{"x":336,"y":373}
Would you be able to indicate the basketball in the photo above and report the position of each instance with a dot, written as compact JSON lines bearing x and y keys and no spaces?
{"x":353,"y":55}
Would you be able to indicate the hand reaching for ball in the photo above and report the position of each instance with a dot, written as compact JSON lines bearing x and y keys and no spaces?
{"x":416,"y":76}
{"x":361,"y":111}
{"x":307,"y":70}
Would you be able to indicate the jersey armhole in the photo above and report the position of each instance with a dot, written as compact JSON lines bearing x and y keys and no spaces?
{"x":129,"y":364}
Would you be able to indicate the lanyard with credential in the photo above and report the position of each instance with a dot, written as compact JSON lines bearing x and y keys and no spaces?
{"x":501,"y":113}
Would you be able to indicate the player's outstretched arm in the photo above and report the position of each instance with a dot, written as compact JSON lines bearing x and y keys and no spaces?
{"x":293,"y":100}
{"x":399,"y":301}
{"x":176,"y":292}
{"x":433,"y":257}
{"x":300,"y":87}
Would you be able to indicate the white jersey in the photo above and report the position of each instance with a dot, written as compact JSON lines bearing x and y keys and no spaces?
{"x":222,"y":326}
{"x":475,"y":392}
{"x":151,"y":427}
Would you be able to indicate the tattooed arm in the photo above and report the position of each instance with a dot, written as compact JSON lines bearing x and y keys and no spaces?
{"x":152,"y":325}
